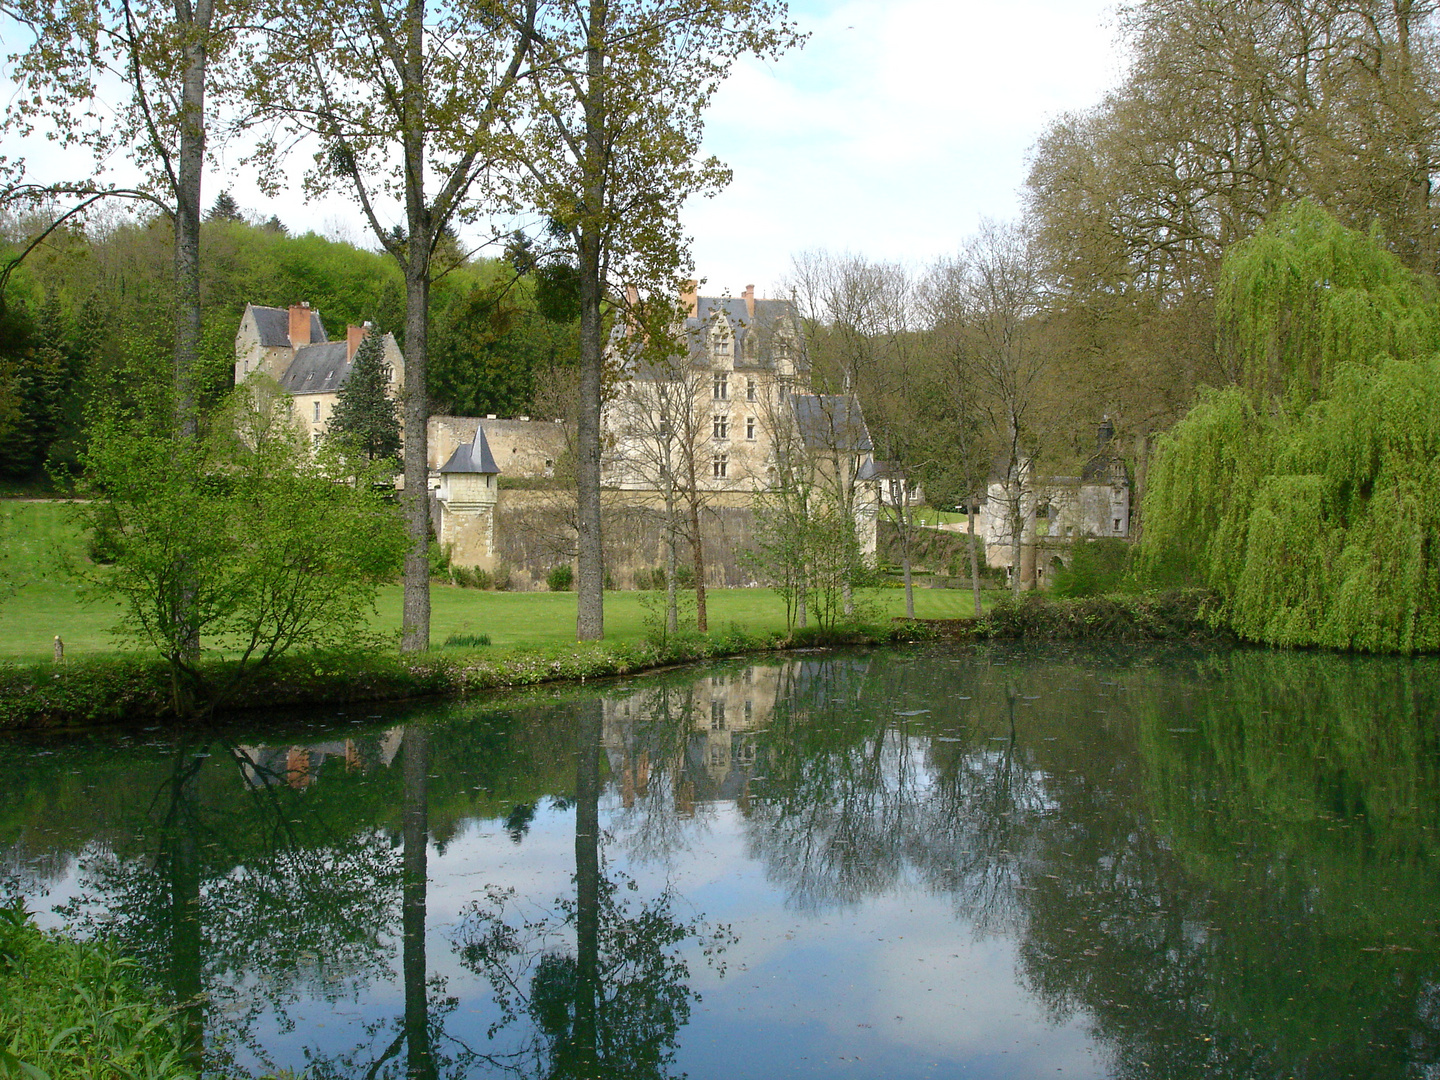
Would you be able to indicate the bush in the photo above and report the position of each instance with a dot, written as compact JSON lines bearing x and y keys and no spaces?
{"x":1168,"y":616}
{"x":500,"y":579}
{"x":472,"y":577}
{"x":76,"y":1009}
{"x":561,"y":578}
{"x":439,"y":555}
{"x":1097,"y":565}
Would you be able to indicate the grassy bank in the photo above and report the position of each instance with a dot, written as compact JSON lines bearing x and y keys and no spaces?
{"x":72,"y":1010}
{"x":135,"y":690}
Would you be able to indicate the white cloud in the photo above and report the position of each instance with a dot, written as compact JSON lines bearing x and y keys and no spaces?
{"x":896,"y":128}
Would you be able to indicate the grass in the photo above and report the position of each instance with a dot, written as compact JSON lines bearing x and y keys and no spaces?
{"x":38,"y":537}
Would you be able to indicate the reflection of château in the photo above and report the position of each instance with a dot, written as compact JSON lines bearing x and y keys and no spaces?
{"x":712,"y":754}
{"x":299,"y":766}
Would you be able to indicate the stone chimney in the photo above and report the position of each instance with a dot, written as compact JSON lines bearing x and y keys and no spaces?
{"x":688,"y":300}
{"x":299,"y":325}
{"x":1104,"y":435}
{"x":353,"y":336}
{"x":632,"y":295}
{"x":749,"y":295}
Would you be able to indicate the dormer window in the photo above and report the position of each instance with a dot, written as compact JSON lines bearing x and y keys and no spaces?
{"x":721,"y":343}
{"x":752,"y":346}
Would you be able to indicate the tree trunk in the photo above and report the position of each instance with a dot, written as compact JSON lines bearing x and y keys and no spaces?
{"x":697,"y":554}
{"x":585,"y":1034}
{"x":672,"y":561}
{"x":186,"y":940}
{"x":974,"y":557}
{"x":190,"y":164}
{"x":590,"y":586}
{"x":415,"y":825}
{"x":904,"y":524}
{"x":415,"y":619}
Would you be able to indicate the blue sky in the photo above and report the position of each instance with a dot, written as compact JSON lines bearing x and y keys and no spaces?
{"x":894,"y":131}
{"x":897,"y":127}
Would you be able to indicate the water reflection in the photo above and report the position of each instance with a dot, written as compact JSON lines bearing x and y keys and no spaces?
{"x":1197,"y":865}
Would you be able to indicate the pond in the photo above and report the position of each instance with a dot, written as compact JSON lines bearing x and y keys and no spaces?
{"x":996,"y":863}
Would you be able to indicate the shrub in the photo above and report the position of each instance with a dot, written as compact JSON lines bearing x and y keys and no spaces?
{"x":561,"y":578}
{"x":1097,"y":566}
{"x":439,"y":555}
{"x":467,"y":641}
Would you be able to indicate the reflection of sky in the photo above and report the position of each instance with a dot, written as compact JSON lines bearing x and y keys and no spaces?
{"x":894,"y":985}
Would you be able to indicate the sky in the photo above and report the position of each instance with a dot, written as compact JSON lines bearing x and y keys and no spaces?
{"x":892,"y":133}
{"x":897,"y":128}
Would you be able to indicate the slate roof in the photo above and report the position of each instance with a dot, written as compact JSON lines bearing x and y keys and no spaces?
{"x":317,"y":369}
{"x":831,"y":422}
{"x":768,"y":314}
{"x":273,"y":324}
{"x":472,"y":457}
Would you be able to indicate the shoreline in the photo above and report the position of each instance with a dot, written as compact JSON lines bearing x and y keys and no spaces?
{"x":134,"y":690}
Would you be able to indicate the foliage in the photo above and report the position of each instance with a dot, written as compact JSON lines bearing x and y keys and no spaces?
{"x":240,"y":538}
{"x":1097,"y":565}
{"x":1306,"y":295}
{"x":560,"y":578}
{"x":1178,"y":614}
{"x":75,"y":1010}
{"x":366,"y":420}
{"x":1308,"y":502}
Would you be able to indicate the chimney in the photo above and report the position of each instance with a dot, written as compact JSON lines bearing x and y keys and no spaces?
{"x":632,"y":295}
{"x":749,"y":295}
{"x":299,"y":325}
{"x":688,"y":300}
{"x":353,"y":336}
{"x":1104,"y":435}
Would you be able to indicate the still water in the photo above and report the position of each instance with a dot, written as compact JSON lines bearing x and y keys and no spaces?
{"x":1122,"y":863}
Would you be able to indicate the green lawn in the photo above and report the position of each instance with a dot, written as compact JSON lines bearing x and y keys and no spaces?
{"x":38,"y":538}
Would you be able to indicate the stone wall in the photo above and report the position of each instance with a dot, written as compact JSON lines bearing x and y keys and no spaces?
{"x":523,"y":449}
{"x":534,"y":532}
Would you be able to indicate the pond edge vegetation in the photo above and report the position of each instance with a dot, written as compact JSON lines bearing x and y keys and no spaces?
{"x":136,"y":689}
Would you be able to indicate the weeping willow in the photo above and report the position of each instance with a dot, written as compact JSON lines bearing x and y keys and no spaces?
{"x":1308,"y":497}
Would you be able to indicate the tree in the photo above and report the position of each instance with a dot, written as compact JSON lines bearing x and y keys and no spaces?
{"x":366,"y":422}
{"x":434,"y":99}
{"x":618,"y":92}
{"x":1307,"y":499}
{"x":224,"y":208}
{"x":241,"y":535}
{"x":956,"y":467}
{"x":168,"y":58}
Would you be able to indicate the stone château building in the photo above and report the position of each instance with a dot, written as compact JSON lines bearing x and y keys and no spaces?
{"x":291,"y":347}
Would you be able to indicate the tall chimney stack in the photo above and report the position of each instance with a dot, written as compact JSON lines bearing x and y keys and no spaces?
{"x":299,"y":325}
{"x":749,"y":295}
{"x":353,"y":336}
{"x":689,"y":300}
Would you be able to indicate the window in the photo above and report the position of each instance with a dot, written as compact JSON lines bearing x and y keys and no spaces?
{"x":1117,"y":525}
{"x":749,"y":711}
{"x":749,"y":389}
{"x":750,"y":428}
{"x":317,"y":437}
{"x":317,"y":412}
{"x":720,"y":464}
{"x":717,"y":716}
{"x":722,"y":385}
{"x":722,"y":426}
{"x":387,"y":373}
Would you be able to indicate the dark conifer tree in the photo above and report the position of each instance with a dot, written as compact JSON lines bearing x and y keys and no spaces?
{"x":366,"y":421}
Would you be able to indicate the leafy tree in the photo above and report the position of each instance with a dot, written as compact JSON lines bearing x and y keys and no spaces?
{"x":366,"y":421}
{"x":618,"y":92}
{"x":240,"y":535}
{"x":423,"y":126}
{"x":1307,"y":499}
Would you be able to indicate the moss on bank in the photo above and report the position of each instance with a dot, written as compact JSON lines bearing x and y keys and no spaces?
{"x":136,"y":689}
{"x":75,"y":1010}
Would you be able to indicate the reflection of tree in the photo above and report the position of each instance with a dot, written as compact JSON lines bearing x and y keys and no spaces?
{"x":613,"y":1006}
{"x":242,"y":903}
